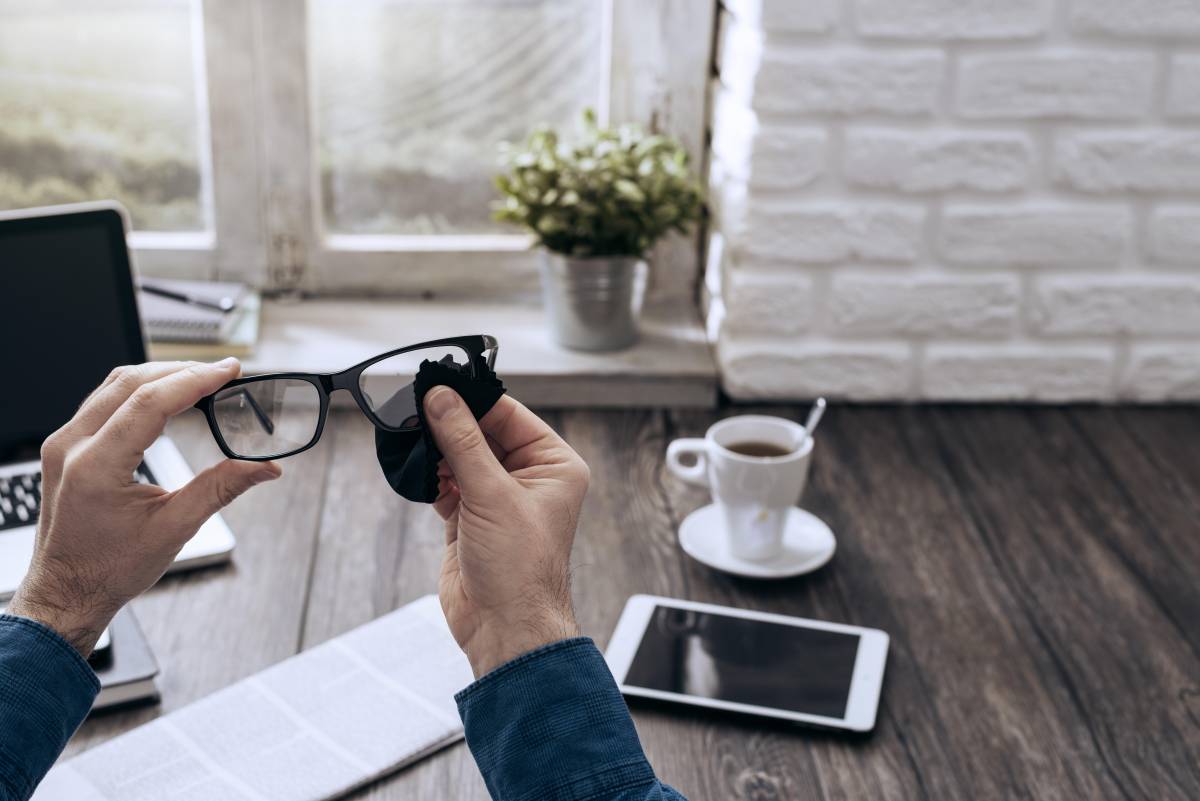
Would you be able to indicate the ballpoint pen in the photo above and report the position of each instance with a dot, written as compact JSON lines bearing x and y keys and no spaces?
{"x":223,"y":305}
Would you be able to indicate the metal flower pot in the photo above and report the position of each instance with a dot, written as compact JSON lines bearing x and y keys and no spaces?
{"x":593,"y":303}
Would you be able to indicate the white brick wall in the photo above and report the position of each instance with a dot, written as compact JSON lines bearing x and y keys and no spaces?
{"x":957,"y":199}
{"x":1183,"y":87}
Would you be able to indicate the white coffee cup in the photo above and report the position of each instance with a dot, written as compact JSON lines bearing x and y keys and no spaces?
{"x":755,"y":493}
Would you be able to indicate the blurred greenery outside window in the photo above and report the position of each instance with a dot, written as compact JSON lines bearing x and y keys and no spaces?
{"x":336,"y":146}
{"x":101,"y":100}
{"x":412,"y":98}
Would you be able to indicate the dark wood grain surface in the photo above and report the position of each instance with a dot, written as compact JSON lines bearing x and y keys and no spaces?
{"x":1037,"y":569}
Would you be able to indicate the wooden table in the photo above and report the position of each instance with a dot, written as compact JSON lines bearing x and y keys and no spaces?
{"x":1038,"y":570}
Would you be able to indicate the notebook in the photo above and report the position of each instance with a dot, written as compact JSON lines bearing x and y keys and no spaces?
{"x":125,"y":666}
{"x":240,"y":342}
{"x":310,"y":728}
{"x":169,"y":320}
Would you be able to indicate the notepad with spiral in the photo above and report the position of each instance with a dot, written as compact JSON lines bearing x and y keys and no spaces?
{"x":168,"y":320}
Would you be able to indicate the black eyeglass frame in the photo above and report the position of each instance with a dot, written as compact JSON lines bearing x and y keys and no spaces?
{"x":475,"y":346}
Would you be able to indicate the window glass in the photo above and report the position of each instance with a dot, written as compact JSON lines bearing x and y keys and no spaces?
{"x":99,"y":99}
{"x":412,"y":97}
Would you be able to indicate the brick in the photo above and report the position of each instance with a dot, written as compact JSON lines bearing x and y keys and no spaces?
{"x":1159,"y":18}
{"x":844,"y":81}
{"x":854,"y":83}
{"x":767,"y":303}
{"x":1124,"y":304}
{"x":784,"y":16}
{"x":1035,"y":236}
{"x":1183,"y":87}
{"x":1141,"y":161}
{"x":1162,"y":373}
{"x":758,"y":368}
{"x":765,"y":156}
{"x":951,"y":19}
{"x":1174,"y":234}
{"x":935,"y":162}
{"x":932,"y":305}
{"x":1084,"y":85}
{"x":827,"y":234}
{"x":1016,"y":372}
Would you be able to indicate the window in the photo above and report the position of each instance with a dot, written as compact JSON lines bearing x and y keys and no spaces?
{"x":104,"y":100}
{"x":410,"y":99}
{"x":334,"y":145}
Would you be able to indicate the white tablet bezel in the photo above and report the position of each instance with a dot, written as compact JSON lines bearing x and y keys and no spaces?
{"x":865,"y":683}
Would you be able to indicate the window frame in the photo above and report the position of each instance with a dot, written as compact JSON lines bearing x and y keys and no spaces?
{"x":266,"y":226}
{"x":224,"y":35}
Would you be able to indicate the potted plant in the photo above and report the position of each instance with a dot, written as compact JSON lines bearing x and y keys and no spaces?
{"x":596,"y":206}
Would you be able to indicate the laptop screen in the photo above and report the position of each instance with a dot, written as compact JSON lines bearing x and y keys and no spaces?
{"x":67,"y":317}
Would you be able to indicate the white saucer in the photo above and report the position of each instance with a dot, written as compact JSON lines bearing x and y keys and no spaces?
{"x":807,"y":544}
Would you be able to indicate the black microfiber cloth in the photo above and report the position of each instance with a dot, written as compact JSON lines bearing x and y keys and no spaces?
{"x":410,"y":458}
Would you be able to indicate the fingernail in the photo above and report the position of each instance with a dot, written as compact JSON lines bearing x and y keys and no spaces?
{"x":440,"y":402}
{"x":227,"y":362}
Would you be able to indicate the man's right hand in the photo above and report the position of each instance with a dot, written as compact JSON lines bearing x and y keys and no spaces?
{"x":102,"y":537}
{"x":510,"y":491}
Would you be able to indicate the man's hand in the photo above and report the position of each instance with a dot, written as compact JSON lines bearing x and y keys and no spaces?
{"x":103,"y":538}
{"x":510,"y":491}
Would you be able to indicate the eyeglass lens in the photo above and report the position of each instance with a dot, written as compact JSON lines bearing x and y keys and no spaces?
{"x":387,"y":385}
{"x":268,"y":418}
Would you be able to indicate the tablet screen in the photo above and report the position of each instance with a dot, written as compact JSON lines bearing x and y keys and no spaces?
{"x":745,"y":661}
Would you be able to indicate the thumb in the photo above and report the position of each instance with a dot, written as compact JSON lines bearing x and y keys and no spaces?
{"x":217,"y":487}
{"x":461,"y":442}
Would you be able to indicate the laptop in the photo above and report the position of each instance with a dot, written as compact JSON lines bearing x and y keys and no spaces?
{"x":68,"y":316}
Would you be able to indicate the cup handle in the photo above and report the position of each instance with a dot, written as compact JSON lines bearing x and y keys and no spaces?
{"x":697,"y":473}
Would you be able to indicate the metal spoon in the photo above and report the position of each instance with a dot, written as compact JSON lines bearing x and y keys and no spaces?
{"x":814,"y":418}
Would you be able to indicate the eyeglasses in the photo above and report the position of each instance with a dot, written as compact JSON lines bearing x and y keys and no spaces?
{"x":281,"y":414}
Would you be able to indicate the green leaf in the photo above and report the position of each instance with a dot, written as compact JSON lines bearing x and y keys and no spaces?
{"x":629,"y":189}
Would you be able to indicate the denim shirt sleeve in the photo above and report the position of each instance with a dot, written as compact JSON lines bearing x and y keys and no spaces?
{"x":551,"y":725}
{"x":46,"y":690}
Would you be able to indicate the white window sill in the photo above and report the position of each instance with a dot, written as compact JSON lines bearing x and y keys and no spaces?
{"x":672,"y":364}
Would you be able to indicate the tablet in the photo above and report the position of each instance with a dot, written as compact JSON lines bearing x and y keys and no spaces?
{"x":807,"y":671}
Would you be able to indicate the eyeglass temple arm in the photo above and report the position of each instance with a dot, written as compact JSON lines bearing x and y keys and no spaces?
{"x":263,"y":418}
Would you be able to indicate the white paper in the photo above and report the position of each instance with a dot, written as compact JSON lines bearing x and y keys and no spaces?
{"x":313,"y":727}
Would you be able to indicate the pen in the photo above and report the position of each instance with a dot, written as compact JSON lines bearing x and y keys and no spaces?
{"x":223,"y":305}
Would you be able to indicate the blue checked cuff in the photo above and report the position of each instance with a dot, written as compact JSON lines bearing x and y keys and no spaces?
{"x":46,"y":690}
{"x":551,"y":725}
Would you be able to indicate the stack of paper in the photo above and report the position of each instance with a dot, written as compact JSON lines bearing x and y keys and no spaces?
{"x":311,"y":728}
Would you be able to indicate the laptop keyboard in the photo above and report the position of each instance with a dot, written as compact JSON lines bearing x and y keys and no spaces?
{"x":21,"y":496}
